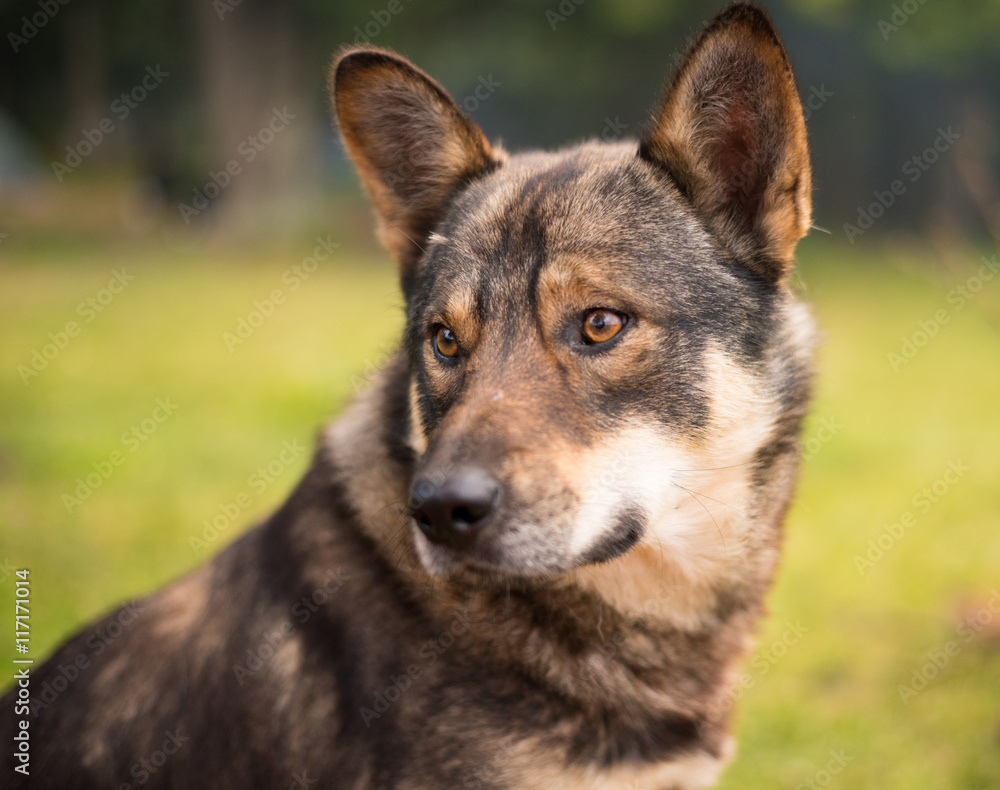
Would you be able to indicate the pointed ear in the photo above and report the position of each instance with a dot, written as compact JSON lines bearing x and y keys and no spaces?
{"x":732,"y":136}
{"x":411,"y":144}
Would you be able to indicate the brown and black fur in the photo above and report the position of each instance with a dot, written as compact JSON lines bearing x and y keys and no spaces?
{"x":585,"y":628}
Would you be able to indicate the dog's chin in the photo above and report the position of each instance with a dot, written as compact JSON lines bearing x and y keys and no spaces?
{"x":497,"y":570}
{"x":437,"y":560}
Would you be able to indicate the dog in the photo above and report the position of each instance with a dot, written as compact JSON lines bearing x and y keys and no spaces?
{"x":534,"y":553}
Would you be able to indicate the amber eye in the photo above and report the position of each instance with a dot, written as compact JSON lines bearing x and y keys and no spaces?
{"x":599,"y":326}
{"x":445,"y":342}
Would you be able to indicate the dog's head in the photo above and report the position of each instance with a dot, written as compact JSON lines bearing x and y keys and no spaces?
{"x":605,"y":357}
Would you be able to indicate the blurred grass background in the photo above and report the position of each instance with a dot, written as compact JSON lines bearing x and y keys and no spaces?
{"x":826,"y":701}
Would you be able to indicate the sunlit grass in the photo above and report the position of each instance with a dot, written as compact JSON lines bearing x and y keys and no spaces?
{"x":881,"y":437}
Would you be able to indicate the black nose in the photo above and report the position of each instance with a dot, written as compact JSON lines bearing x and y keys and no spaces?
{"x":456,"y":511}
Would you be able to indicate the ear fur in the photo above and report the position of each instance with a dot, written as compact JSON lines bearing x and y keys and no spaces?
{"x":413,"y":147}
{"x":732,"y":136}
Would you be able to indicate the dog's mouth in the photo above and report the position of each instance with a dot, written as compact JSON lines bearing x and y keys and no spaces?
{"x":627,"y":531}
{"x":523,"y":552}
{"x":487,"y":560}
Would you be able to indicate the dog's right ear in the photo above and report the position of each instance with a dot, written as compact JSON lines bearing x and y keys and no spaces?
{"x":413,"y":147}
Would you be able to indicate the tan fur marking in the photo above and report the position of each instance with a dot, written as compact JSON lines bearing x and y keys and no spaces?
{"x":527,"y":766}
{"x":418,"y":433}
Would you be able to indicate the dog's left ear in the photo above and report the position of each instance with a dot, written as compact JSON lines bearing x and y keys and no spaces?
{"x":412,"y":145}
{"x":732,"y":136}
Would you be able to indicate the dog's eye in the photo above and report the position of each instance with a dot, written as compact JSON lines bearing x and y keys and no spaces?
{"x":445,"y":343}
{"x":599,"y":326}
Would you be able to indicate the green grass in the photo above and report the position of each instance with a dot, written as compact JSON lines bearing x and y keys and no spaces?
{"x":887,"y":435}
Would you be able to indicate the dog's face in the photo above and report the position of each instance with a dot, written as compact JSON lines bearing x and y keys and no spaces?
{"x":604,"y":355}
